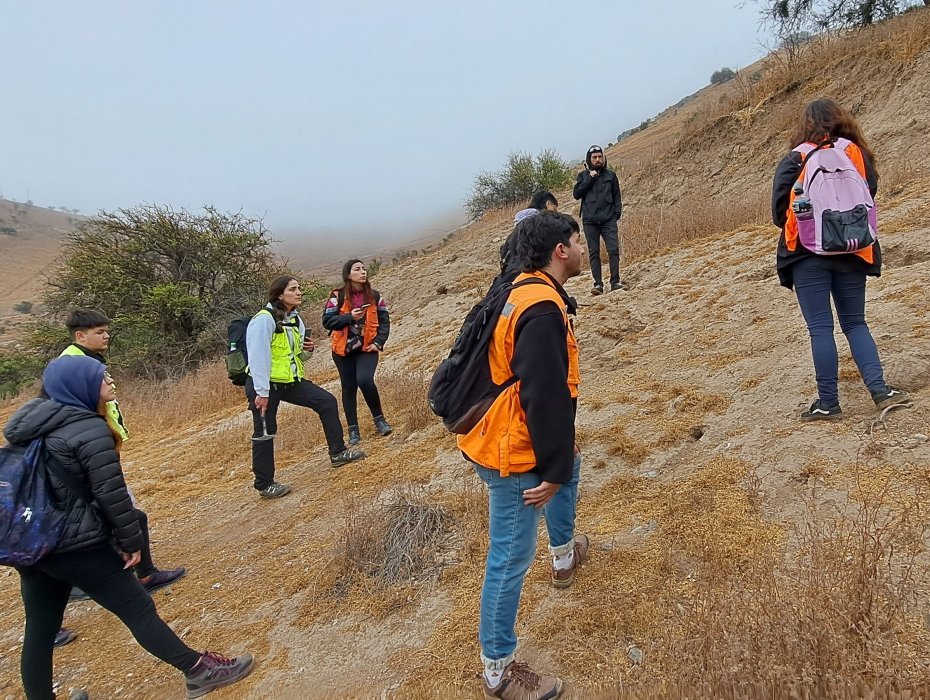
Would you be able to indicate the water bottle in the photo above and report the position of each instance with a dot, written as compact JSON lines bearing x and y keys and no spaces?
{"x":802,"y":207}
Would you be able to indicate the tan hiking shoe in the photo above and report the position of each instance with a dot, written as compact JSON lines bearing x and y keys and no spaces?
{"x":566,"y":577}
{"x":520,"y":682}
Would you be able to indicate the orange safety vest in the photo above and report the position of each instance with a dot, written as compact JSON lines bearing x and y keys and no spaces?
{"x":338,"y":339}
{"x":501,"y":439}
{"x":791,"y":225}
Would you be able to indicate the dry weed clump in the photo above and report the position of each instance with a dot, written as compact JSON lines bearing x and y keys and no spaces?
{"x":405,"y":393}
{"x":833,"y":610}
{"x":399,"y":542}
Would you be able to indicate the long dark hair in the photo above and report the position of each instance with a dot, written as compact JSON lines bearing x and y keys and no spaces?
{"x":347,"y":284}
{"x":824,"y":119}
{"x":278,"y":310}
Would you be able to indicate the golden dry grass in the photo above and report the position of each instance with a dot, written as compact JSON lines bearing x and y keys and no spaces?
{"x":698,"y":563}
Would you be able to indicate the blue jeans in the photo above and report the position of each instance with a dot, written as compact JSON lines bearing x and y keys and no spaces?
{"x":816,"y":279}
{"x":512,"y":549}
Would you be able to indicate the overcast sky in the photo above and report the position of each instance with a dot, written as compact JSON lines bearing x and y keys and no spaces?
{"x":329,"y":116}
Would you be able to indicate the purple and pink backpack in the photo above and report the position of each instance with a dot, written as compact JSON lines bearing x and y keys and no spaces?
{"x":832,"y":203}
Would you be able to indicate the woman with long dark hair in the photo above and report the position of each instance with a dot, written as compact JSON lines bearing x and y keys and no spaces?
{"x":277,"y":343}
{"x":102,"y":538}
{"x":359,"y":324}
{"x":817,"y":274}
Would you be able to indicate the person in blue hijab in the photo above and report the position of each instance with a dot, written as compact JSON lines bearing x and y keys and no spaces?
{"x":74,"y":380}
{"x":102,"y":537}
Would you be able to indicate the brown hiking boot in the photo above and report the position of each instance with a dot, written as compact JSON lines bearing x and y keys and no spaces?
{"x":520,"y":682}
{"x":566,"y":577}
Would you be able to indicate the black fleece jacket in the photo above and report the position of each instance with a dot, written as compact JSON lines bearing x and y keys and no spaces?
{"x":540,"y":362}
{"x":82,"y":443}
{"x":785,"y":176}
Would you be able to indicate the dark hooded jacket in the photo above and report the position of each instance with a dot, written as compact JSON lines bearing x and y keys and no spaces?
{"x":82,"y":443}
{"x":600,"y":196}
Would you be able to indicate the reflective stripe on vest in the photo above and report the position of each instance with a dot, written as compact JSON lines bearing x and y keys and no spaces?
{"x":501,"y":439}
{"x":115,"y":416}
{"x":286,"y":365}
{"x":339,"y":338}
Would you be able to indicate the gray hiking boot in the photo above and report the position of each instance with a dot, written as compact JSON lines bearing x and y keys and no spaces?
{"x":355,"y":436}
{"x":520,"y":682}
{"x":79,"y":695}
{"x":276,"y":490}
{"x":383,"y":426}
{"x":617,"y":286}
{"x":346,"y":456}
{"x":891,"y":397}
{"x":214,"y":671}
{"x":597,"y":289}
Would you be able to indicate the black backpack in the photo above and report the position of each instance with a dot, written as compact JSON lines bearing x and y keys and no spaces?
{"x":237,"y":357}
{"x":461,"y":390}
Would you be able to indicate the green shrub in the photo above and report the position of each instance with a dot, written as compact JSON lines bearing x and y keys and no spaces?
{"x":722,"y":76}
{"x":518,"y":180}
{"x":17,"y":370}
{"x":169,"y":280}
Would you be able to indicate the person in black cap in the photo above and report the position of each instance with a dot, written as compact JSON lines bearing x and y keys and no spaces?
{"x":598,"y":188}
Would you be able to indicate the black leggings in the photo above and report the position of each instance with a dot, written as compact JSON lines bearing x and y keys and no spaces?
{"x":99,"y":572}
{"x":357,"y":371}
{"x":302,"y":393}
{"x":145,"y":567}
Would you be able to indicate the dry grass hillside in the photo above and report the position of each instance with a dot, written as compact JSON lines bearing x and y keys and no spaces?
{"x":30,"y":237}
{"x":736,"y":552}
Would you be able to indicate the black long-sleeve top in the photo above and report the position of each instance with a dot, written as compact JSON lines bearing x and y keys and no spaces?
{"x":540,"y":362}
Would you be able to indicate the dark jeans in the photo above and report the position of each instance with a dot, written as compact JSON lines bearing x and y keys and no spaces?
{"x":593,"y":233}
{"x":99,"y":572}
{"x":306,"y":394}
{"x":816,"y":279}
{"x":357,"y":371}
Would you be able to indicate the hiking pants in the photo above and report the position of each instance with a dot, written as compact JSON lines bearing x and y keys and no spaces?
{"x":816,"y":279}
{"x":99,"y":572}
{"x":301,"y":393}
{"x":357,"y":371}
{"x":511,"y":550}
{"x":593,"y":233}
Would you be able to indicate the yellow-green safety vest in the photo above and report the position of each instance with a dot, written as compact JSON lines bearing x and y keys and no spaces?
{"x":113,"y":412}
{"x":286,"y":364}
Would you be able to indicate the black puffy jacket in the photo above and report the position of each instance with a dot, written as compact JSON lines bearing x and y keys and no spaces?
{"x":81,"y":442}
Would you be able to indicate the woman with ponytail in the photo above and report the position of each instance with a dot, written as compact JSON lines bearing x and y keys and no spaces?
{"x":277,"y":345}
{"x":102,"y":538}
